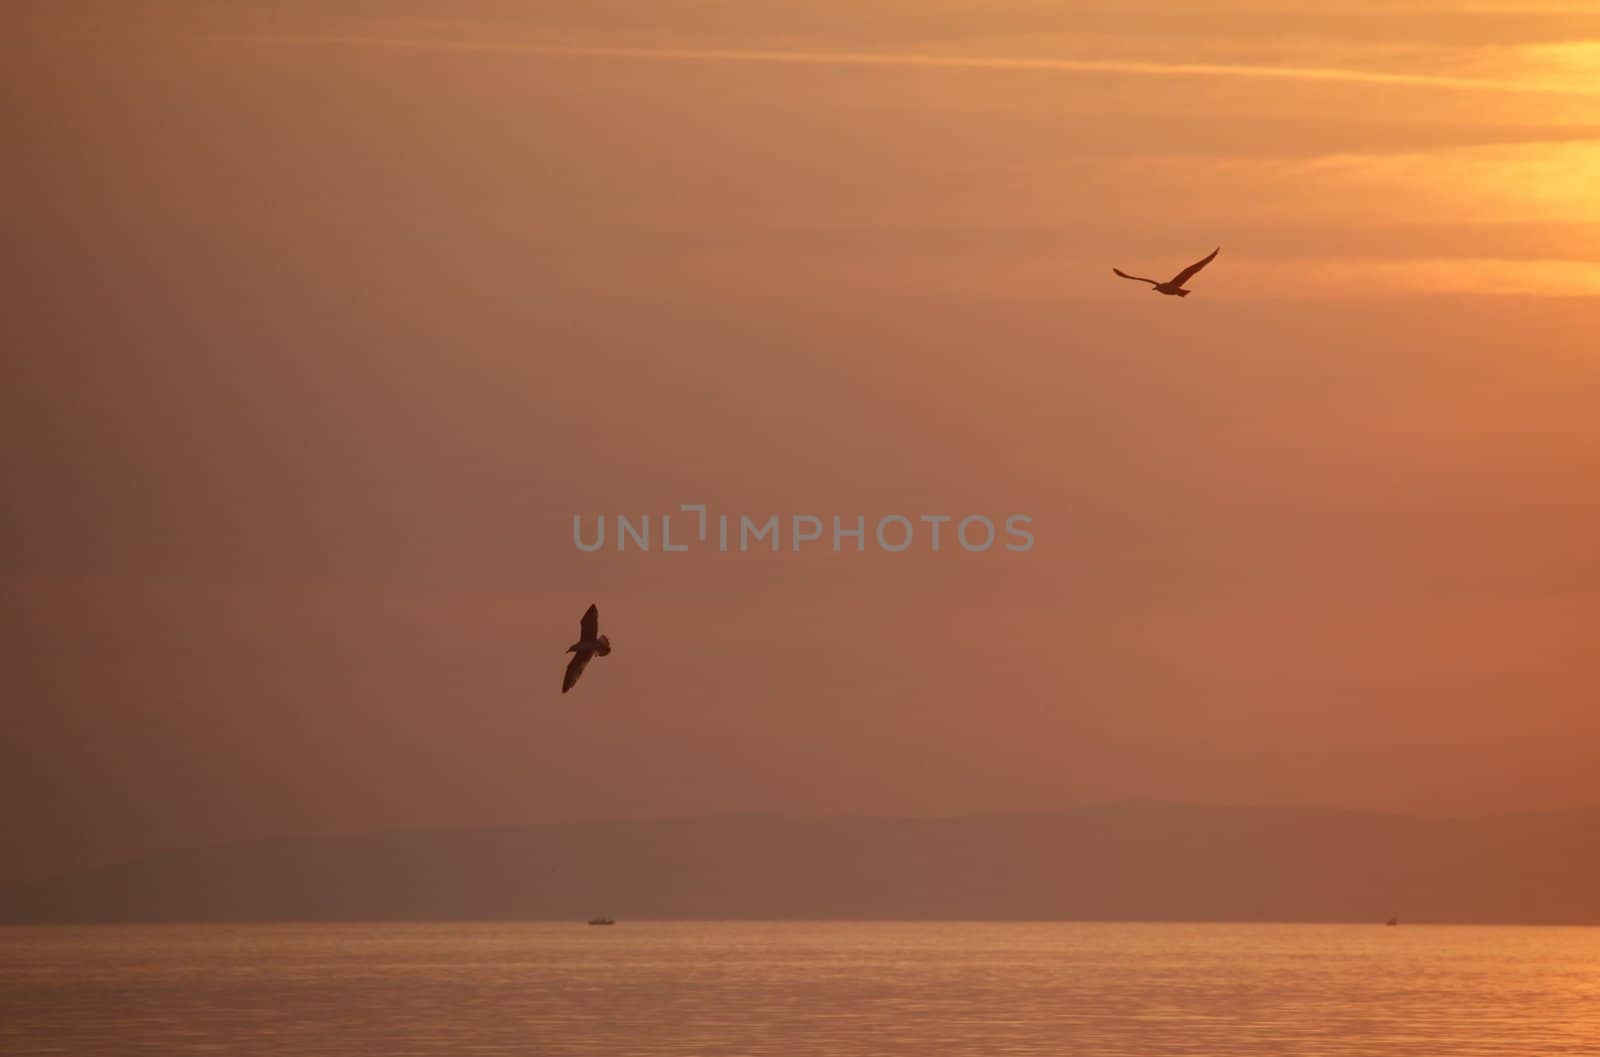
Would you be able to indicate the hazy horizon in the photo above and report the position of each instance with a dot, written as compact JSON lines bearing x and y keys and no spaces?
{"x":1117,"y":862}
{"x":733,"y":813}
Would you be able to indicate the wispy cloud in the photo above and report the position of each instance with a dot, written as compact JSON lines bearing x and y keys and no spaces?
{"x":964,"y":62}
{"x":1432,"y":275}
{"x":1539,"y":182}
{"x":1042,"y":277}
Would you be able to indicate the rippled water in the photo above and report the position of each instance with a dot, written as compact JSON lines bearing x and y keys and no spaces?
{"x":648,"y":988}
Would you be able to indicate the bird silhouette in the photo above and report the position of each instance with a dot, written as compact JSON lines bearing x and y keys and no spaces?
{"x":1173,"y":286}
{"x":590,"y":642}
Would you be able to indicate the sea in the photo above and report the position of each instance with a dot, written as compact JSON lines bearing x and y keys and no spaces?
{"x":840,"y":989}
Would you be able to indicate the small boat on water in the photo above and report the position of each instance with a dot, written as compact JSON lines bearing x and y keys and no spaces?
{"x":1392,"y":921}
{"x":601,"y":921}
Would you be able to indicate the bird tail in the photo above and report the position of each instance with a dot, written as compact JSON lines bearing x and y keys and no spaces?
{"x":605,"y":646}
{"x":1185,"y":293}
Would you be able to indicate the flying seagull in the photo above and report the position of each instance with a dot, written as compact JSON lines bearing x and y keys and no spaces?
{"x":1175,"y":284}
{"x":590,"y":642}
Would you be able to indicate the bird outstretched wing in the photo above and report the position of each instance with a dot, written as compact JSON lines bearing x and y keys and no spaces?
{"x":575,"y":667}
{"x":589,"y":626}
{"x":1140,"y":278}
{"x":1188,"y":273}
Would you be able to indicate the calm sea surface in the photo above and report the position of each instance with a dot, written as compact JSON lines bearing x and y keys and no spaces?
{"x":647,"y":988}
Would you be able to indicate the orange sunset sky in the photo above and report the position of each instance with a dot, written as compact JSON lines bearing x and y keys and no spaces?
{"x":322,"y":321}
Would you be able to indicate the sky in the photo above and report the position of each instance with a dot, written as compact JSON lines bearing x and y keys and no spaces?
{"x":325,"y":320}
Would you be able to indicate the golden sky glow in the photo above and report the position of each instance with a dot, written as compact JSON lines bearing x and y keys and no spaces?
{"x":1529,"y":162}
{"x":332,"y":321}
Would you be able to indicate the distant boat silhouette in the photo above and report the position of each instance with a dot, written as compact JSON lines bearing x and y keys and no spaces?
{"x":1173,"y":286}
{"x":609,"y":921}
{"x":1392,"y":921}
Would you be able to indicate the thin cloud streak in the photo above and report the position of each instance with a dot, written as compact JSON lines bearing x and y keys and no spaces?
{"x":1044,"y":65}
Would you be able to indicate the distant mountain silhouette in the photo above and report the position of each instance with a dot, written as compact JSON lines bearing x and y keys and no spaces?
{"x":1129,"y":861}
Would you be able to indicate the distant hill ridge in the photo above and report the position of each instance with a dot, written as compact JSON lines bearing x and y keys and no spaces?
{"x":1125,"y":861}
